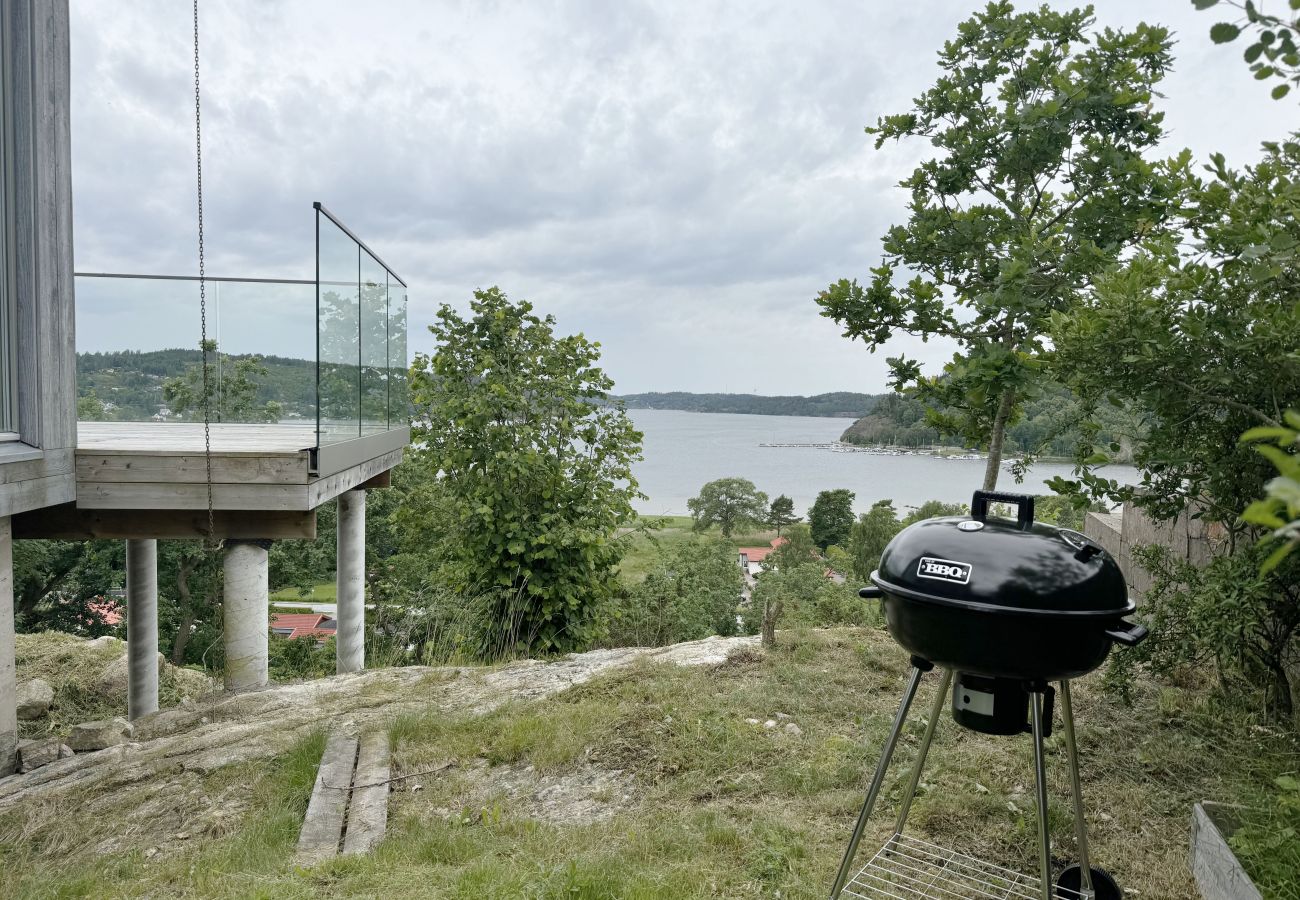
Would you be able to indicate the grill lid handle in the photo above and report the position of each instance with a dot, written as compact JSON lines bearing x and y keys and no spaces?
{"x":1024,"y":504}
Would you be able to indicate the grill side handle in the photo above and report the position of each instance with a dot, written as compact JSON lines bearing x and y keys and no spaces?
{"x":1130,"y":634}
{"x":870,"y":593}
{"x":1024,"y":504}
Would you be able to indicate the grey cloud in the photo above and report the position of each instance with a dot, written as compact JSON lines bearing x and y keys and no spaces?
{"x":676,"y":179}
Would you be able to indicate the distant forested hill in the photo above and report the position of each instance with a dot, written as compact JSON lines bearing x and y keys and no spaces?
{"x":841,"y":404}
{"x":1047,"y":425}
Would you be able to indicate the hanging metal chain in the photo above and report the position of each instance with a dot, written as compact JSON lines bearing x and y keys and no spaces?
{"x":211,"y":539}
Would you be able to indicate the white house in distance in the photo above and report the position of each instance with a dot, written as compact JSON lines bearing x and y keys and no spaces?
{"x":751,"y":558}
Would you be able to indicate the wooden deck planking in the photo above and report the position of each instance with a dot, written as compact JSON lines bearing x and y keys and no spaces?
{"x":172,"y":439}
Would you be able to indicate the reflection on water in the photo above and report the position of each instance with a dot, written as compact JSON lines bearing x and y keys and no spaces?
{"x":683,"y":450}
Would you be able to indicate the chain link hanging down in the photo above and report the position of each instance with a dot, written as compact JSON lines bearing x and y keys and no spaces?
{"x":211,"y":539}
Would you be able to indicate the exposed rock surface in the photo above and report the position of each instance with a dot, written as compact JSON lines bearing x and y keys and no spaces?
{"x":34,"y":754}
{"x":35,"y":698}
{"x":100,"y":735}
{"x":112,"y":681}
{"x":219,"y":730}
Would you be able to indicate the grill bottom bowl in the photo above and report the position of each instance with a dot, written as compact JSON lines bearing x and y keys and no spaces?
{"x":1029,"y":646}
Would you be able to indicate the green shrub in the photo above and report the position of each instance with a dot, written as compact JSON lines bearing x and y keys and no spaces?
{"x":691,"y":593}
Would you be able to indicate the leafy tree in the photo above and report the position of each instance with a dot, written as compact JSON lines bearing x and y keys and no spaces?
{"x":1274,"y":54}
{"x":1204,"y":341}
{"x":797,"y":549}
{"x":690,"y":594}
{"x":1279,"y":510}
{"x":56,"y":582}
{"x":933,"y":509}
{"x":729,"y":503}
{"x":231,"y":389}
{"x":1038,"y":185}
{"x":781,"y":513}
{"x":831,"y":517}
{"x":534,"y":470}
{"x":869,"y":536}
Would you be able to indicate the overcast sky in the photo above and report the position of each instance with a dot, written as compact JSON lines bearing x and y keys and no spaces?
{"x":675,"y":179}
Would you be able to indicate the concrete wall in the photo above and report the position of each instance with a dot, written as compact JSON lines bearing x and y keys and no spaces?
{"x":1121,"y":531}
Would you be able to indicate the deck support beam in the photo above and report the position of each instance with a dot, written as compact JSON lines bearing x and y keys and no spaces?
{"x":247,"y":614}
{"x":141,"y":627}
{"x":8,"y":668}
{"x":350,"y":642}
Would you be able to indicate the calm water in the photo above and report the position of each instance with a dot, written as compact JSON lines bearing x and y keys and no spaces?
{"x":683,"y":450}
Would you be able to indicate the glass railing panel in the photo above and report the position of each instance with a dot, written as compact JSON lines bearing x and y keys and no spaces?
{"x":374,"y":345}
{"x":338,"y":258}
{"x":137,"y":350}
{"x":399,"y":401}
{"x":265,"y":357}
{"x":139,"y":360}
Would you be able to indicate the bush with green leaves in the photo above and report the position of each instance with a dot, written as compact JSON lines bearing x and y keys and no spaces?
{"x":870,"y":535}
{"x":1226,"y":615}
{"x":1279,"y":510}
{"x":690,"y":594}
{"x":805,"y":596}
{"x":533,"y":466}
{"x":293,"y":659}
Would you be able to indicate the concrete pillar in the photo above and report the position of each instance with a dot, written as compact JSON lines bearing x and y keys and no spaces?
{"x":350,"y":639}
{"x":247,"y":618}
{"x":141,"y":627}
{"x":8,"y":670}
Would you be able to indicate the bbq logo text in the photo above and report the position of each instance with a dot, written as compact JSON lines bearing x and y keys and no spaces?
{"x":944,"y":570}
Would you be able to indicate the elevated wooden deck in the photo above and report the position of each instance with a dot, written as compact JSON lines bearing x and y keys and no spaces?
{"x":141,"y":465}
{"x":149,"y":480}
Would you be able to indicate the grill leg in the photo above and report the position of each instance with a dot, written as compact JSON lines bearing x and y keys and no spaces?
{"x":1040,"y":783}
{"x":886,"y":754}
{"x":936,"y":710}
{"x":1080,"y":823}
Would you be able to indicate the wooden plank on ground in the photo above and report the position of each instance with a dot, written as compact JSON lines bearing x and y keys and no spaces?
{"x":322,"y":827}
{"x":368,"y":809}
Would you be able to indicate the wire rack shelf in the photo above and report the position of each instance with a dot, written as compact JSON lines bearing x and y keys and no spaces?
{"x":909,"y":868}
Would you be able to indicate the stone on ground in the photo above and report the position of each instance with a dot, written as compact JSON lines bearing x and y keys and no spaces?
{"x":100,"y":735}
{"x":34,"y":754}
{"x":35,"y":698}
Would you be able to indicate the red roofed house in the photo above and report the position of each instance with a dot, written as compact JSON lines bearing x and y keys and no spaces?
{"x":751,"y":558}
{"x":297,"y":625}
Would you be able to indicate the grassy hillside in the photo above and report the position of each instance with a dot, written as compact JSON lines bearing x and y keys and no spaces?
{"x":662,"y":782}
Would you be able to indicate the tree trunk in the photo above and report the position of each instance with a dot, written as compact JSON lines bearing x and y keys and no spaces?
{"x":182,"y":638}
{"x":771,"y":612}
{"x":994,"y":467}
{"x":184,"y":569}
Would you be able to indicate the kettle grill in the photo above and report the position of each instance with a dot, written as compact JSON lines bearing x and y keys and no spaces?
{"x":1003,"y":608}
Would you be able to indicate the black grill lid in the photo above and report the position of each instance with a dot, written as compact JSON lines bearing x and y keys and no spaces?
{"x":1002,"y":565}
